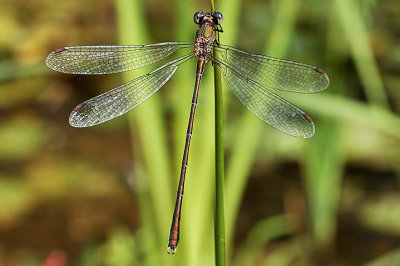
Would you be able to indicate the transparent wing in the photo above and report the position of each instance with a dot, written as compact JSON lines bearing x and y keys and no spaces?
{"x":109,"y":59}
{"x":268,"y":106}
{"x":275,"y":73}
{"x":124,"y":98}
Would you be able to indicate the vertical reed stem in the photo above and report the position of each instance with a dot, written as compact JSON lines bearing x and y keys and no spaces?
{"x":219,"y":216}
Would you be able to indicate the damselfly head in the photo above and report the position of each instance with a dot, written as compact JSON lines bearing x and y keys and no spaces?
{"x":216,"y":17}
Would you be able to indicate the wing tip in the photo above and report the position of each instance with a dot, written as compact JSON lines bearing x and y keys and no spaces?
{"x":325,"y":75}
{"x":73,"y":122}
{"x":308,"y":118}
{"x":50,"y":57}
{"x":75,"y":119}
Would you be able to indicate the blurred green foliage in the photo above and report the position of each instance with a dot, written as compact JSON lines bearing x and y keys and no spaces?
{"x":104,"y":195}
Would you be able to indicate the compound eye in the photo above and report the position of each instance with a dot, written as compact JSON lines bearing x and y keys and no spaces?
{"x":198,"y":16}
{"x":218,"y":16}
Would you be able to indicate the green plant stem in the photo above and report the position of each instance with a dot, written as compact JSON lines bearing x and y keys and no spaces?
{"x":219,"y":217}
{"x":219,"y":171}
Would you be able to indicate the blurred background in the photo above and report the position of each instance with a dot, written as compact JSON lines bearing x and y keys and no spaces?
{"x":104,"y":195}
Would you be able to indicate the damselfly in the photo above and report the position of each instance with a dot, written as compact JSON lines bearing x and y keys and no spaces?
{"x":249,"y":76}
